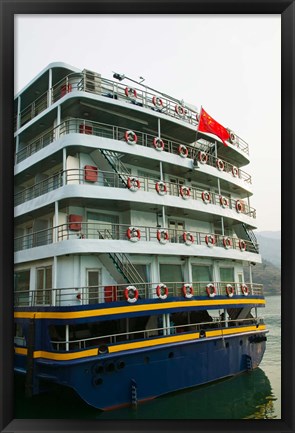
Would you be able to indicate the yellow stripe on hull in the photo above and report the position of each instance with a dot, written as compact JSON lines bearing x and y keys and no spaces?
{"x":139,"y":344}
{"x":132,"y":309}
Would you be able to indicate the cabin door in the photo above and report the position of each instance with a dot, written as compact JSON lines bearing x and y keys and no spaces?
{"x":94,"y":286}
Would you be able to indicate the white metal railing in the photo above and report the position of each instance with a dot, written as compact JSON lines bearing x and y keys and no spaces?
{"x":82,"y":126}
{"x":104,"y":231}
{"x":91,"y":295}
{"x":144,"y":183}
{"x":159,"y":332}
{"x":119,"y":91}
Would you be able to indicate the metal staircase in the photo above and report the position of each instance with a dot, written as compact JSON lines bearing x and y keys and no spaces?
{"x":244,"y":233}
{"x":114,"y":159}
{"x":122,"y":264}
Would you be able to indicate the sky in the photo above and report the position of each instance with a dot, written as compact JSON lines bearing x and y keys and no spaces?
{"x":229,"y":64}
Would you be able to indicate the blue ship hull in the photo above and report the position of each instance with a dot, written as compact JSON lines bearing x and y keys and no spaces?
{"x":114,"y":380}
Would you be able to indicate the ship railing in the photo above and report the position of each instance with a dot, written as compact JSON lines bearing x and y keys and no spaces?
{"x":113,"y":179}
{"x":92,"y":295}
{"x":76,"y":342}
{"x":82,"y":126}
{"x":94,"y":83}
{"x":110,"y":231}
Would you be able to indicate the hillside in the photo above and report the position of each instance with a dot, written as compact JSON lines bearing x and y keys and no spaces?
{"x":268,"y":275}
{"x":270,"y":246}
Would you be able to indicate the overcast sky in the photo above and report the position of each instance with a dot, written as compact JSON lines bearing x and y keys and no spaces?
{"x":229,"y":64}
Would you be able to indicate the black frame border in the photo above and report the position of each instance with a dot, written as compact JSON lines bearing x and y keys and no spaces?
{"x":8,"y":8}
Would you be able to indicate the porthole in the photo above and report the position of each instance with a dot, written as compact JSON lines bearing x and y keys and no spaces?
{"x":171,"y":355}
{"x":110,"y":367}
{"x":146,"y":359}
{"x":120,"y":365}
{"x":227,"y":345}
{"x":241,"y":342}
{"x":97,"y":381}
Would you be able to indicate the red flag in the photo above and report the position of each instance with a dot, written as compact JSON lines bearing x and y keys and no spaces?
{"x":208,"y":124}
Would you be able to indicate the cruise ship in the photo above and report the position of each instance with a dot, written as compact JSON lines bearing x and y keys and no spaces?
{"x":133,"y":243}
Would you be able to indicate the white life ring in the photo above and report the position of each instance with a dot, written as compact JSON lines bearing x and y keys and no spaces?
{"x":202,"y":157}
{"x":130,"y":137}
{"x":185,"y":192}
{"x":188,"y":238}
{"x":242,"y":245}
{"x":239,"y":206}
{"x":162,"y":291}
{"x":183,"y":150}
{"x":161,"y":187}
{"x":130,"y":92}
{"x":244,"y":289}
{"x":220,"y":164}
{"x":188,"y":291}
{"x":211,"y":290}
{"x":131,"y":294}
{"x":232,"y":137}
{"x":158,"y":144}
{"x":158,"y":102}
{"x":180,"y":110}
{"x":223,"y":201}
{"x":162,"y":236}
{"x":210,"y":240}
{"x":206,"y":197}
{"x":133,"y":184}
{"x":133,"y":234}
{"x":229,"y":290}
{"x":235,"y":171}
{"x":227,"y":242}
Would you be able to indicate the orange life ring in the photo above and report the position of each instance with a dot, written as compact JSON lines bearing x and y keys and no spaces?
{"x":158,"y":102}
{"x":239,"y":206}
{"x":227,"y":242}
{"x":131,"y":294}
{"x":235,"y":171}
{"x":161,"y":187}
{"x":210,"y":240}
{"x":158,"y":143}
{"x":188,"y":238}
{"x":188,"y":291}
{"x":202,"y":157}
{"x":133,"y":234}
{"x":162,"y":236}
{"x":130,"y":137}
{"x":162,"y":291}
{"x":133,"y":183}
{"x":185,"y":192}
{"x":229,"y":290}
{"x":220,"y":164}
{"x":183,"y":150}
{"x":211,"y":290}
{"x":130,"y":92}
{"x":245,"y":289}
{"x":223,"y":201}
{"x":206,"y":197}
{"x":242,"y":245}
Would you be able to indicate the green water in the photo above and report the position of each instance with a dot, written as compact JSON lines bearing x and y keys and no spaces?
{"x":251,"y":395}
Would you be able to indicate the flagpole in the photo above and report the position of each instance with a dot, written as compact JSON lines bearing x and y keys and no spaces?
{"x":199,"y":122}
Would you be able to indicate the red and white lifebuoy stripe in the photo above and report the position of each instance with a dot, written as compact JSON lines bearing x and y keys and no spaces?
{"x":206,"y":197}
{"x":130,"y":92}
{"x":131,"y":294}
{"x":180,"y":110}
{"x":133,"y":234}
{"x":185,"y":192}
{"x":188,"y":238}
{"x":133,"y":184}
{"x":220,"y":164}
{"x":239,"y":206}
{"x":162,"y":236}
{"x":229,"y":290}
{"x":227,"y":242}
{"x":183,"y":150}
{"x":242,"y":245}
{"x":235,"y":171}
{"x":210,"y":240}
{"x":188,"y":291}
{"x":223,"y":201}
{"x":158,"y":102}
{"x":245,"y":289}
{"x":211,"y":290}
{"x":161,"y":187}
{"x":162,"y":291}
{"x":130,"y":137}
{"x":158,"y":144}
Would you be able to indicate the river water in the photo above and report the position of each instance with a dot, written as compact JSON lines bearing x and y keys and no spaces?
{"x":250,"y":395}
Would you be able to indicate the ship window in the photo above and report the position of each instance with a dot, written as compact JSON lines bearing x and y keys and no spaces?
{"x":44,"y":284}
{"x":102,"y":225}
{"x":202,"y":275}
{"x":22,"y":287}
{"x":93,"y":283}
{"x":227,"y":275}
{"x":171,"y":273}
